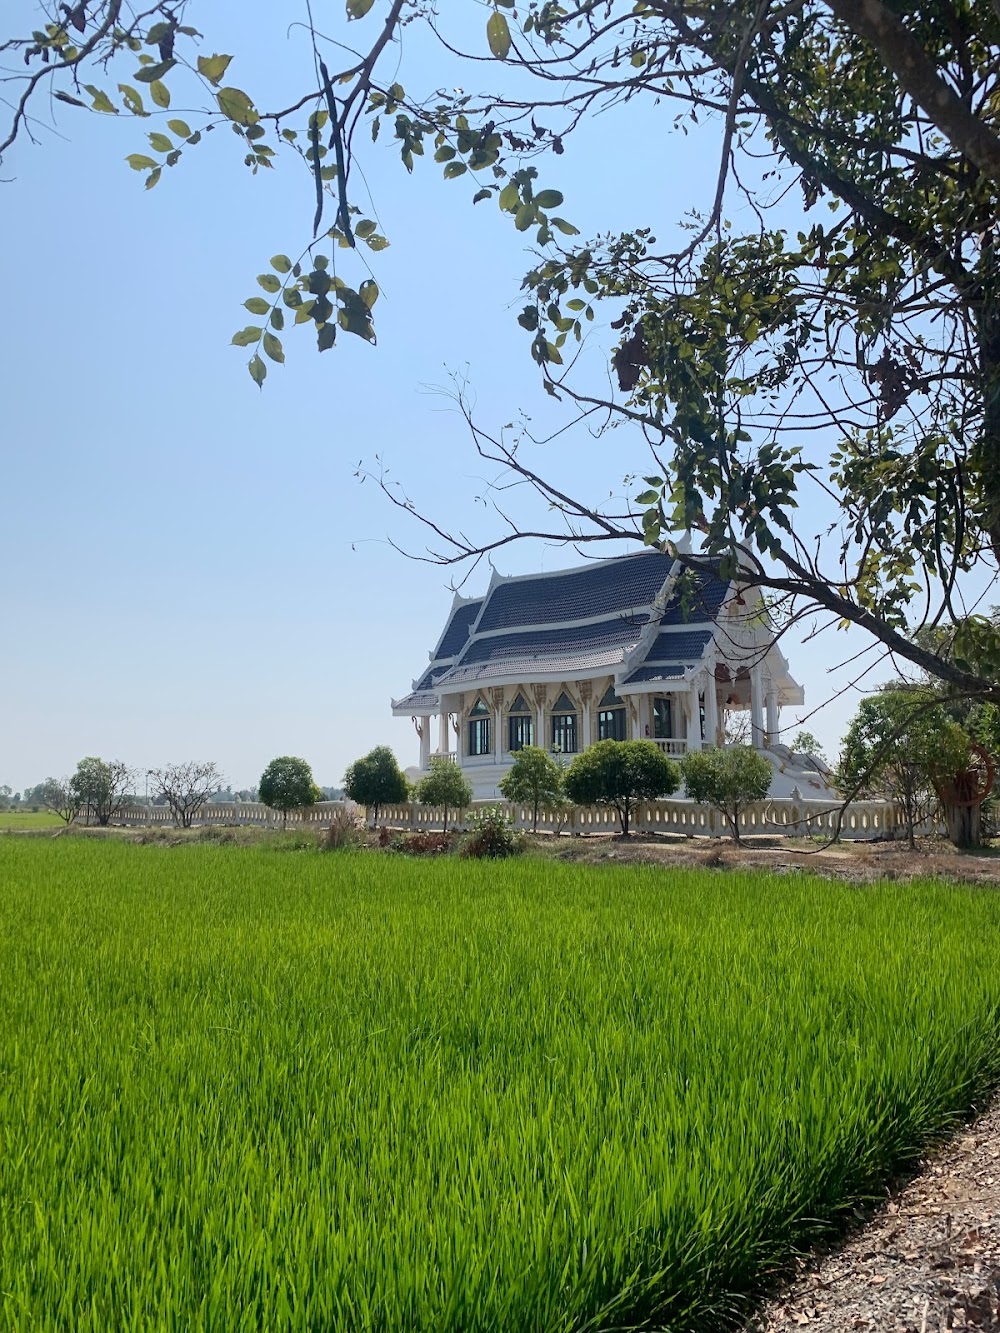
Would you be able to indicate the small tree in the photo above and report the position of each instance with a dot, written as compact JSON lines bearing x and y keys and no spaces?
{"x":536,"y":779}
{"x":186,"y":788}
{"x":287,"y":784}
{"x":376,"y":780}
{"x":901,"y":744}
{"x":804,"y":742}
{"x":619,"y":773}
{"x":728,"y":779}
{"x":102,"y":787}
{"x":59,"y":796}
{"x":445,"y":785}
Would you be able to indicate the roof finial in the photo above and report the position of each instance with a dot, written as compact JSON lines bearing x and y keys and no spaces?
{"x":683,"y":547}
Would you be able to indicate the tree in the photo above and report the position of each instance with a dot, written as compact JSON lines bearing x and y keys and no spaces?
{"x":804,"y":742}
{"x":287,"y":784}
{"x":728,"y":779}
{"x":376,"y":780}
{"x":445,"y":785}
{"x":102,"y":787}
{"x":535,"y":779}
{"x":850,"y":339}
{"x":901,"y":744}
{"x":620,"y":773}
{"x":60,"y":796}
{"x":186,"y":788}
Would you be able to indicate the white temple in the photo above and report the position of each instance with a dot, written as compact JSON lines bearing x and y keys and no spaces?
{"x":616,"y":649}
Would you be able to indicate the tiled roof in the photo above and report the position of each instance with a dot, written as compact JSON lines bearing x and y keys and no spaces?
{"x":678,"y":646}
{"x":611,"y":586}
{"x":617,"y":631}
{"x":662,"y":671}
{"x":434,"y":672}
{"x":701,"y":602}
{"x":457,"y":630}
{"x":418,"y":699}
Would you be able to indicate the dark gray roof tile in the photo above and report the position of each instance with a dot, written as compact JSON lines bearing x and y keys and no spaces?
{"x":611,"y":586}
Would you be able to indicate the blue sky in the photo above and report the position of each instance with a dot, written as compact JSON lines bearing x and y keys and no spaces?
{"x":190,"y":567}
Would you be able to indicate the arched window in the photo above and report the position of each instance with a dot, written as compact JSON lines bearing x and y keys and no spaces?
{"x":479,"y":729}
{"x":612,"y":724}
{"x":520,"y":725}
{"x":564,"y":725}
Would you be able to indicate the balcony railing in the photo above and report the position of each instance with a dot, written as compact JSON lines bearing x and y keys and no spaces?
{"x":675,"y":746}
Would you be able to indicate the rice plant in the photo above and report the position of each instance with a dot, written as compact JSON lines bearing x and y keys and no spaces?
{"x":244,"y":1090}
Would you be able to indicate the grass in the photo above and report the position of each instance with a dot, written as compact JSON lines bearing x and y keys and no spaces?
{"x":15,"y":820}
{"x":243,"y":1089}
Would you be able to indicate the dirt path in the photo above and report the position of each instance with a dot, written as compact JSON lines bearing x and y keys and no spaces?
{"x":929,"y":1261}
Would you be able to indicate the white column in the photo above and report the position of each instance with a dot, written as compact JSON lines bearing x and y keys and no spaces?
{"x":694,"y":716}
{"x":425,"y":742}
{"x":587,"y":718}
{"x":645,"y":718}
{"x":541,"y":740}
{"x":756,"y":710}
{"x":773,"y":726}
{"x":498,"y":733}
{"x":711,"y":710}
{"x":444,"y":729}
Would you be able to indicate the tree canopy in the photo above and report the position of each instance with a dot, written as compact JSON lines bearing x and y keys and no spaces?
{"x":446,"y":785}
{"x":101,"y":787}
{"x":287,"y":784}
{"x":376,"y":780}
{"x":728,"y":779}
{"x":844,"y":345}
{"x":534,"y":778}
{"x":620,"y":773}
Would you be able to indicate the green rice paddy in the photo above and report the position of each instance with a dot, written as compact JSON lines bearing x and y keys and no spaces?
{"x":246,"y":1090}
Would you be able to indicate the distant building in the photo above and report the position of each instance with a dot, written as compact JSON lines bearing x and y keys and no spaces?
{"x":617,"y":649}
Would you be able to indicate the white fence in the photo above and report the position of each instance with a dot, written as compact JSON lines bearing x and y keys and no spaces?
{"x":793,"y":818}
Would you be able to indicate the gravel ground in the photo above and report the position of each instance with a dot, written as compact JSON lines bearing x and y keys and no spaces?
{"x":928,"y":1261}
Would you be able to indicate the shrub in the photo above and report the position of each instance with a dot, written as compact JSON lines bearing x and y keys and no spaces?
{"x":727,"y":779}
{"x":376,"y":780}
{"x":619,"y":773}
{"x":492,"y":834}
{"x":342,"y":831}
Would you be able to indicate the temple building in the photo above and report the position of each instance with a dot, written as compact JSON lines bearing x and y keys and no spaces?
{"x":614,"y":649}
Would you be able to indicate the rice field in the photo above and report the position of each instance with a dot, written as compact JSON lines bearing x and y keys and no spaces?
{"x":18,"y":820}
{"x":244,"y":1090}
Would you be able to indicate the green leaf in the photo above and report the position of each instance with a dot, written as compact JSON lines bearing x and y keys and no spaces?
{"x":269,"y":282}
{"x":510,"y":198}
{"x":277,"y":318}
{"x":179,"y":127}
{"x":326,"y":337}
{"x":140,"y":162}
{"x":454,"y":169}
{"x":524,"y":217}
{"x":647,"y":498}
{"x":258,"y":370}
{"x":132,"y":99}
{"x":160,"y":93}
{"x":549,"y":199}
{"x":257,"y":305}
{"x":160,"y":143}
{"x":376,"y":242}
{"x":364,"y":229}
{"x":153,"y":73}
{"x":498,"y":35}
{"x":357,"y":9}
{"x":282,"y":263}
{"x":213,"y":68}
{"x":368,"y":291}
{"x":273,"y":348}
{"x":565,"y":227}
{"x":101,"y":102}
{"x":480,"y":195}
{"x":236,"y":104}
{"x":248,"y":336}
{"x":152,"y":178}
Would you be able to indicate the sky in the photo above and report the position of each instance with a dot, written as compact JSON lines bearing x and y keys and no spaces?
{"x":191,"y":568}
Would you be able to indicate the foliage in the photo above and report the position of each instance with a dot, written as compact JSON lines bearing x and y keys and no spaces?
{"x":425,"y":842}
{"x":804,"y":742}
{"x":186,"y":788}
{"x":534,"y":779}
{"x":446,"y":785}
{"x":343,"y":831}
{"x":620,"y":773}
{"x":60,"y":796}
{"x":376,"y":780}
{"x":287,"y":784}
{"x":397,"y":1035}
{"x":900,"y":744}
{"x":728,"y":779}
{"x":491,"y":835}
{"x":101,"y":787}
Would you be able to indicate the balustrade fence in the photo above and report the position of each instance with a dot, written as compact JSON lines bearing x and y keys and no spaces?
{"x":799,"y":818}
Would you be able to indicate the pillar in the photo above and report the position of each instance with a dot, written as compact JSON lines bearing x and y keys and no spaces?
{"x":538,"y":693}
{"x":773,"y":727}
{"x":444,"y":729}
{"x":587,"y":717}
{"x":756,"y":709}
{"x":425,"y":743}
{"x":694,"y":715}
{"x":711,"y":710}
{"x":496,"y":699}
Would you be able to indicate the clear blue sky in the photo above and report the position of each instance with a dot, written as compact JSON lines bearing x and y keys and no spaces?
{"x":189,"y":568}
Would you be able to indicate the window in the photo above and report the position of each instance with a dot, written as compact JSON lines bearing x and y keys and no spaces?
{"x":662,"y":720}
{"x":520,"y":725}
{"x":564,"y":725}
{"x":612,"y":724}
{"x":479,"y":730}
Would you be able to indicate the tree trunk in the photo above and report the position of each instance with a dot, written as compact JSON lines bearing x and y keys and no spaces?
{"x":964,"y":825}
{"x":534,"y":822}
